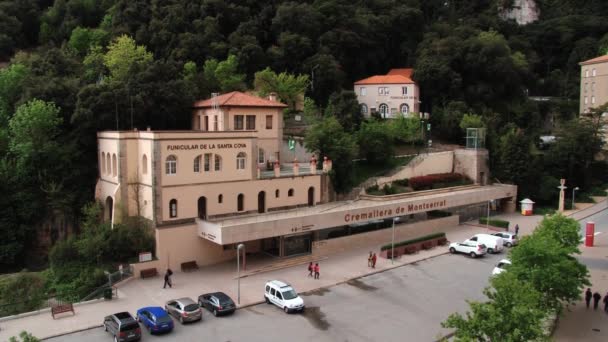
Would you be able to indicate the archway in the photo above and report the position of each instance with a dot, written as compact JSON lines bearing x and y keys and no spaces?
{"x":311,"y":196}
{"x":202,"y":208}
{"x":261,"y":202}
{"x":109,"y":208}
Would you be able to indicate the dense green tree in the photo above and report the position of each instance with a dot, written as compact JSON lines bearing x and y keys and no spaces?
{"x":406,"y":129}
{"x":512,"y":313}
{"x":124,"y":58}
{"x":471,"y":121}
{"x":83,"y":39}
{"x":288,"y":87}
{"x":562,"y":229}
{"x":24,"y":336}
{"x":223,"y":75}
{"x":344,"y":106}
{"x":376,"y":142}
{"x":328,"y":139}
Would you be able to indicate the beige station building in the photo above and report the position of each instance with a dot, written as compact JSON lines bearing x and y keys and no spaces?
{"x":226,"y":182}
{"x":391,"y":95}
{"x":594,"y":83}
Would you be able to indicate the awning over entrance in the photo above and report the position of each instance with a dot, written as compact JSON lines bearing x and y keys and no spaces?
{"x":246,"y":228}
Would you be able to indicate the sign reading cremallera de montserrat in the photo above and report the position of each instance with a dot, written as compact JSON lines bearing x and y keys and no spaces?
{"x":368,"y":214}
{"x":222,"y":146}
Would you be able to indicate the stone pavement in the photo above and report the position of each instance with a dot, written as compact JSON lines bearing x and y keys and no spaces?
{"x":136,"y":293}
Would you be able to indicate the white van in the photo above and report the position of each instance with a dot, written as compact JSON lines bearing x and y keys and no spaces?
{"x":283,"y":296}
{"x":493,"y":243}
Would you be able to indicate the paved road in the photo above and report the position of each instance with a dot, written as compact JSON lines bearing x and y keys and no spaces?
{"x":407,"y":303}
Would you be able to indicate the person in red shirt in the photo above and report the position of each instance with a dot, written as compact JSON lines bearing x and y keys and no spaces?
{"x":374,"y":258}
{"x":317,"y":271}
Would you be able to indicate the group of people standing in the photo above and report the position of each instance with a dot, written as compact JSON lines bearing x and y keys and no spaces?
{"x":596,"y":299}
{"x":371,"y":260}
{"x":314,"y":269}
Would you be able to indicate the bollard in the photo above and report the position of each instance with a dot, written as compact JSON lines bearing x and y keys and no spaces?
{"x":589,"y":233}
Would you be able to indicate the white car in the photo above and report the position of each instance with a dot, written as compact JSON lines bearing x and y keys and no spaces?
{"x":283,"y":296}
{"x":509,"y":239}
{"x":494,"y":244}
{"x":468,"y":247}
{"x":501,"y":266}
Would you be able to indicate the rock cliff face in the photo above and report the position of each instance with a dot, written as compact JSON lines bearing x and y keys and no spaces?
{"x":522,"y":11}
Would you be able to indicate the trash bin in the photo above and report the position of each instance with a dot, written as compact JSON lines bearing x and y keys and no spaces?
{"x":107,"y":293}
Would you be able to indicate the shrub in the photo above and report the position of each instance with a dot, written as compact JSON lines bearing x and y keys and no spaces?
{"x":494,"y":222}
{"x":402,"y":182}
{"x":412,"y":241}
{"x":438,"y":213}
{"x":436,"y":180}
{"x":21,"y":293}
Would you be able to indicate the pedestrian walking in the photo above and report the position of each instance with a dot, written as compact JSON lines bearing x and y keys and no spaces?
{"x":516,"y":229}
{"x":168,"y":275}
{"x":310,"y":269}
{"x":369,"y":260}
{"x":606,"y":303}
{"x":374,"y":258}
{"x":596,"y":300}
{"x":588,"y":296}
{"x":317,"y":271}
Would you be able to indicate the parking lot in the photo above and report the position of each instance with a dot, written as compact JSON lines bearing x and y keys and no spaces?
{"x":407,"y":303}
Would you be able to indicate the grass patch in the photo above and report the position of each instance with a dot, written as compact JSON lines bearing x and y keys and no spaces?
{"x":362,"y":170}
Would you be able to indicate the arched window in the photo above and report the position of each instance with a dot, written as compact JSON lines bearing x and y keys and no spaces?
{"x":290,"y":193}
{"x":171,"y":165}
{"x":241,"y":160}
{"x":363,"y":109}
{"x":218,"y":162}
{"x":114,"y":164}
{"x":240,"y":202}
{"x":173,"y":208}
{"x":261,"y":156}
{"x":197,"y":164}
{"x":144,"y":164}
{"x":220,"y":198}
{"x":404,"y":108}
{"x":108,"y":164}
{"x":103,"y":163}
{"x":383,"y":108}
{"x":276,"y":193}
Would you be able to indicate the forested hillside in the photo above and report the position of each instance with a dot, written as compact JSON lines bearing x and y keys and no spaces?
{"x":75,"y":67}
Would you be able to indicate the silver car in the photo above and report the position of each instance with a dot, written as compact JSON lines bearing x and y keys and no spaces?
{"x":184,"y":309}
{"x":509,"y":239}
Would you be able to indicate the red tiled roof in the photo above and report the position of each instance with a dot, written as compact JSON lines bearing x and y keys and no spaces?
{"x":406,"y":72}
{"x":599,"y":59}
{"x":385,"y":79}
{"x":238,"y":99}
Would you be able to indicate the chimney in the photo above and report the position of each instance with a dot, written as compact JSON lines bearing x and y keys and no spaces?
{"x":272,"y":96}
{"x":148,"y":129}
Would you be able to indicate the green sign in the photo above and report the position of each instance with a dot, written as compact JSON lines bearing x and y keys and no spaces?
{"x":428,"y":127}
{"x":292,"y":144}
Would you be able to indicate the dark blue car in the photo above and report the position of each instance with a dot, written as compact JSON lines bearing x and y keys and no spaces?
{"x":155,"y":319}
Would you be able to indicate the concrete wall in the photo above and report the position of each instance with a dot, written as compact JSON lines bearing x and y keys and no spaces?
{"x":402,"y":232}
{"x":424,"y":164}
{"x":473,"y":164}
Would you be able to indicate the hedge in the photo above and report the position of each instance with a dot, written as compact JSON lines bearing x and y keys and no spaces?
{"x":494,"y":222}
{"x":438,"y":213}
{"x":427,"y":182}
{"x":412,"y":241}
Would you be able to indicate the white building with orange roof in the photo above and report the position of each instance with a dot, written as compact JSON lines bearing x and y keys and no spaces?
{"x":389,"y":95}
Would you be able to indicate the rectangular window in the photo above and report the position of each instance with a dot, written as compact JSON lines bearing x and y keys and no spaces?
{"x":218,"y":163}
{"x":261,"y":156}
{"x":268,"y":121}
{"x":207,"y":161}
{"x":585,"y":99}
{"x":250,"y":122}
{"x":238,"y":122}
{"x":592,"y":99}
{"x":383,"y":91}
{"x":197,"y":164}
{"x":404,"y":90}
{"x":363,"y":91}
{"x":585,"y":87}
{"x":215,"y":123}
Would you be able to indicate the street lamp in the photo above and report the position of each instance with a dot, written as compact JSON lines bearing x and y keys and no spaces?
{"x":238,"y":272}
{"x":574,"y":192}
{"x":395,"y":219}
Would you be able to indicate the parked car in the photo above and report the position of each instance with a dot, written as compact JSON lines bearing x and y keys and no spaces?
{"x":122,"y":326}
{"x":283,"y":296}
{"x":493,"y":243}
{"x":218,"y":303}
{"x":474,"y":249}
{"x":155,"y":319}
{"x":501,"y":266}
{"x":184,"y":309}
{"x":508,"y":239}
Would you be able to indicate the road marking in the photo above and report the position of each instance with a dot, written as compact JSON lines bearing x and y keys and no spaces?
{"x":595,"y":234}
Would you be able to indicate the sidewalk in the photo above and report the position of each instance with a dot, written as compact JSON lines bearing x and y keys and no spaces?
{"x":136,"y":293}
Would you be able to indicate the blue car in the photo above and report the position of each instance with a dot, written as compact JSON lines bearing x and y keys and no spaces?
{"x":155,"y":319}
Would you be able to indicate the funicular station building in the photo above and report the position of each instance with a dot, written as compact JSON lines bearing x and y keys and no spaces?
{"x":225,"y":182}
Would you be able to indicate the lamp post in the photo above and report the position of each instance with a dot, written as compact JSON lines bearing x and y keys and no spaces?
{"x":574,"y":192}
{"x":395,"y":219}
{"x":238,"y":272}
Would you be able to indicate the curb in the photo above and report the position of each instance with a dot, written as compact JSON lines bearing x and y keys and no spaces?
{"x":72,"y":332}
